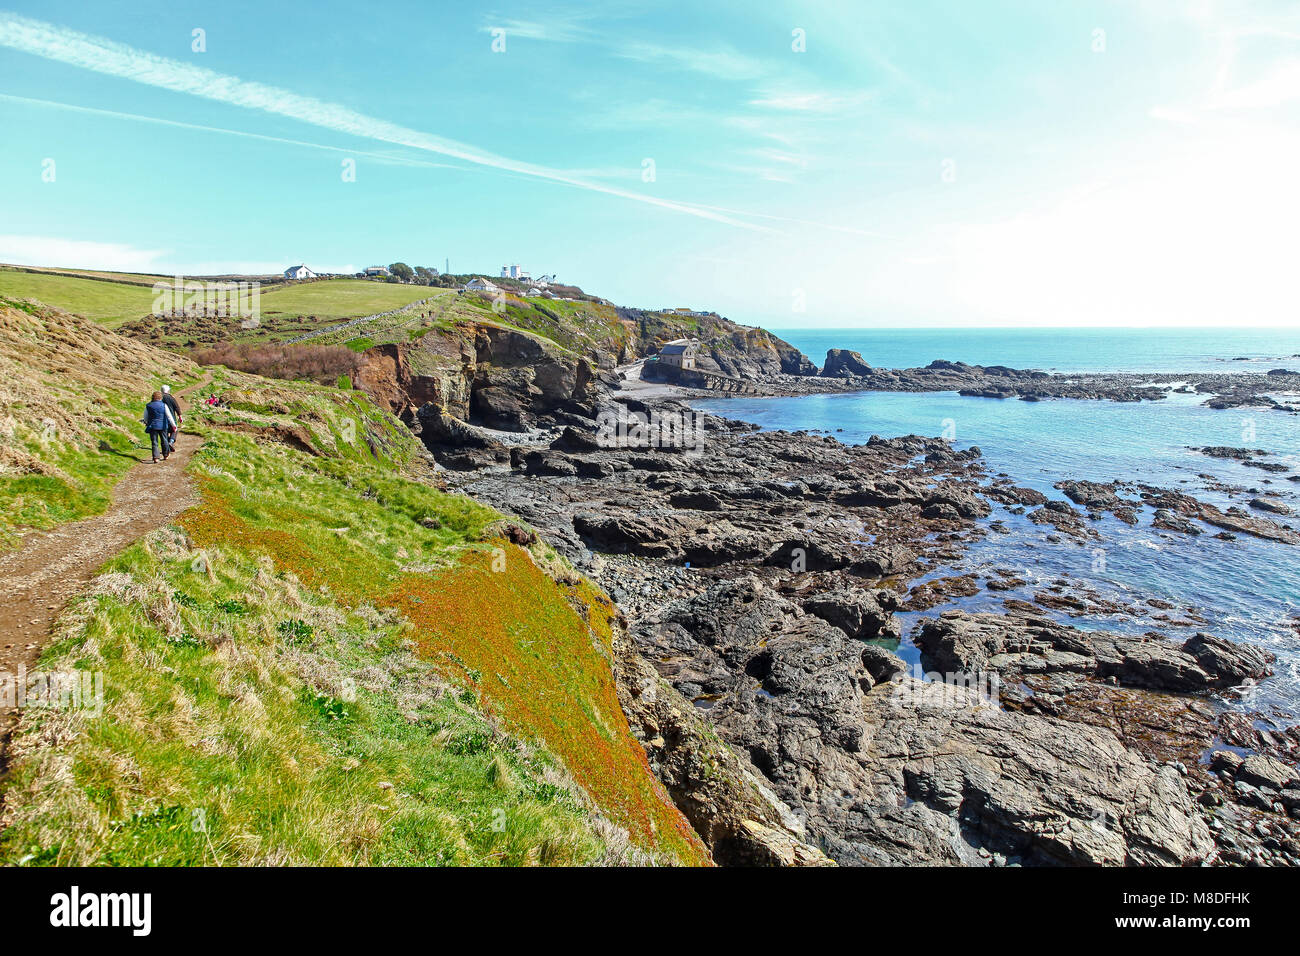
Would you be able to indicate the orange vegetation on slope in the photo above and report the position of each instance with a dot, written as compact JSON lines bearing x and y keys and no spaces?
{"x":518,"y":638}
{"x":545,"y":670}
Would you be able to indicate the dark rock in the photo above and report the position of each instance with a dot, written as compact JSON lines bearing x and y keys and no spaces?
{"x":696,"y":500}
{"x":549,"y":463}
{"x":961,"y":642}
{"x":805,"y":555}
{"x":858,"y":613}
{"x":883,"y":562}
{"x":575,"y":439}
{"x":843,"y":362}
{"x":886,"y":769}
{"x":1228,"y":664}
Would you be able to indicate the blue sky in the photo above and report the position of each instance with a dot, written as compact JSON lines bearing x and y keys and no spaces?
{"x":935,"y":162}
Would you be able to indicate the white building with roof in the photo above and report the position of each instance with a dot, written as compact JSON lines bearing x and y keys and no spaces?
{"x":680,"y":352}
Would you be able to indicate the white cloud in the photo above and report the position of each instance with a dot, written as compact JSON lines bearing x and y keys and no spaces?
{"x":556,"y":29}
{"x":722,"y":62}
{"x":814,"y":101}
{"x":781,"y":156}
{"x":78,"y":254}
{"x":119,"y":257}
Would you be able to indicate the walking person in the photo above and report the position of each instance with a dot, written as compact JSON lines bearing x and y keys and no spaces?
{"x":159,"y":422}
{"x":175,"y":408}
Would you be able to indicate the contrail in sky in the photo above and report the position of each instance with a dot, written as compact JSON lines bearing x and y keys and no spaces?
{"x":180,"y":124}
{"x":116,"y":59}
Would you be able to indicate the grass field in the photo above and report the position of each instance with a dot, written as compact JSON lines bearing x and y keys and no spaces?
{"x":335,"y":300}
{"x":109,"y":303}
{"x":115,"y":303}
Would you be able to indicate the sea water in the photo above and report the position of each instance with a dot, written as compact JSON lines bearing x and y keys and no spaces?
{"x":1063,"y":350}
{"x":1247,"y":589}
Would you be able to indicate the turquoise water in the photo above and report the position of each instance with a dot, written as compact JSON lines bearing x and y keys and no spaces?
{"x":1247,"y":589}
{"x":1066,"y":350}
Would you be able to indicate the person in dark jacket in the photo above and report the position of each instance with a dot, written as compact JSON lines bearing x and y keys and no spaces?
{"x":158,"y":422}
{"x":175,"y":408}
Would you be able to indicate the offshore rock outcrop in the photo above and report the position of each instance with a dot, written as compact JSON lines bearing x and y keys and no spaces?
{"x":843,"y":363}
{"x":848,"y":371}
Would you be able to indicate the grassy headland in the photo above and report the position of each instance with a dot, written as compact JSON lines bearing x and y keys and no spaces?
{"x":71,"y":397}
{"x":329,"y":660}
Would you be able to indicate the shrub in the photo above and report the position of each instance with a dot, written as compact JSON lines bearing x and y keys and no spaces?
{"x":323,"y":364}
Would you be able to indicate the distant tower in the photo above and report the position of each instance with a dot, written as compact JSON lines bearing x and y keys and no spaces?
{"x":447,"y":266}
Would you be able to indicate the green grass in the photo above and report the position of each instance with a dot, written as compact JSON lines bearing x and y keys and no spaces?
{"x":287,"y":308}
{"x":270,"y":696}
{"x":290,"y":311}
{"x":69,"y":414}
{"x":575,"y":326}
{"x":110,"y":303}
{"x":249,"y":720}
{"x":336,"y":300}
{"x":79,"y":483}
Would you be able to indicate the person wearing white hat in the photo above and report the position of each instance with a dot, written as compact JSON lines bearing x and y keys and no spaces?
{"x":175,"y":408}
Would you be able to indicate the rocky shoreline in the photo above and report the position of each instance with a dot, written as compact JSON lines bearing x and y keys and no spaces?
{"x":761,"y":578}
{"x":760,"y":575}
{"x":846,"y":371}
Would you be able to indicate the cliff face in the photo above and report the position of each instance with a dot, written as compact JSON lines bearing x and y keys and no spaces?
{"x":385,"y":374}
{"x":486,"y":374}
{"x":737,"y":350}
{"x":506,"y":377}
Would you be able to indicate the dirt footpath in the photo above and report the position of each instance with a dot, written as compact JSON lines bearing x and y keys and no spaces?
{"x":52,"y":567}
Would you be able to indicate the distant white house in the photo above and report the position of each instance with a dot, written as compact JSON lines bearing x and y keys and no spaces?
{"x":376,"y":270}
{"x":299,"y":272}
{"x":480,"y":285}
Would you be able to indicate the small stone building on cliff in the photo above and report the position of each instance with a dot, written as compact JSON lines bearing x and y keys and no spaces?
{"x":680,"y":353}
